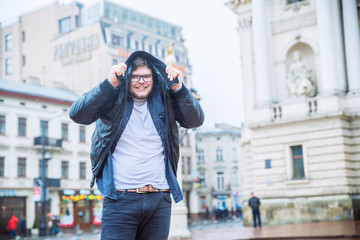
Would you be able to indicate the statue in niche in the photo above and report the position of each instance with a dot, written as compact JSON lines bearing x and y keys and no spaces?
{"x":299,"y":78}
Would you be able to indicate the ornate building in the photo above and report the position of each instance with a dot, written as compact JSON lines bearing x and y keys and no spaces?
{"x":301,"y":78}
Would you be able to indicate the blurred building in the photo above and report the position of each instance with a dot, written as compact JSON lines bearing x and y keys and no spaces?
{"x":24,"y":108}
{"x":218,"y":169}
{"x":301,"y":77}
{"x":71,"y":47}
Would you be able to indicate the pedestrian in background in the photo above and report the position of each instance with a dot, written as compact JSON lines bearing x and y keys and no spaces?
{"x":254,"y":203}
{"x":135,"y":146}
{"x":12,"y":224}
{"x":23,"y":228}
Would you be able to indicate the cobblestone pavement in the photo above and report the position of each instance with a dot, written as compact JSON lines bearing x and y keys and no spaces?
{"x":345,"y":230}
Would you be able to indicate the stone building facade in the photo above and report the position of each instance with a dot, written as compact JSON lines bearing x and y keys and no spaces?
{"x":301,"y":77}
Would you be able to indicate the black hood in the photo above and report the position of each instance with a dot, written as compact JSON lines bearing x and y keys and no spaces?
{"x":158,"y":68}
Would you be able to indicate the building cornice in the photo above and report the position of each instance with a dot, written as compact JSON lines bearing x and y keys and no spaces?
{"x":235,"y":4}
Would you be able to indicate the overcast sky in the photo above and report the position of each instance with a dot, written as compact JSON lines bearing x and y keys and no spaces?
{"x":210,"y":32}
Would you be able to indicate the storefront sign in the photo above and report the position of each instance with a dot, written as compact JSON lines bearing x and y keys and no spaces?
{"x":69,"y":192}
{"x":37,"y":194}
{"x":7,"y":192}
{"x":85,"y":192}
{"x":76,"y":51}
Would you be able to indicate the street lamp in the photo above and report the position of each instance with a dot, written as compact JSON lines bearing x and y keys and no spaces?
{"x":44,"y":157}
{"x":43,"y":184}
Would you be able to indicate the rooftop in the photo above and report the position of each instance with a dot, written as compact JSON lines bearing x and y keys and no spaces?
{"x":37,"y":91}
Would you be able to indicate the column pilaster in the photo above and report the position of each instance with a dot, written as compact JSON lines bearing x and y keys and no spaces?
{"x":332,"y":67}
{"x":247,"y":68}
{"x":352,"y":44}
{"x":264,"y":73}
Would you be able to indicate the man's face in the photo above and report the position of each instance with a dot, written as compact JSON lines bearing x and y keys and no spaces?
{"x":141,"y":83}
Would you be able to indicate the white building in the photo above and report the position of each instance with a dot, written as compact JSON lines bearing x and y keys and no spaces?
{"x":301,"y":78}
{"x":218,"y":168}
{"x":24,"y":109}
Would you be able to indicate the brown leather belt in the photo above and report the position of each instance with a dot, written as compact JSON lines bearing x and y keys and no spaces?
{"x":145,"y":189}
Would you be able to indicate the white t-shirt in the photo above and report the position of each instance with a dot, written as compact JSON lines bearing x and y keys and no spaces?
{"x":138,"y":158}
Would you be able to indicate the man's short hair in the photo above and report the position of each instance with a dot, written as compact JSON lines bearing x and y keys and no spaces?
{"x":139,"y":61}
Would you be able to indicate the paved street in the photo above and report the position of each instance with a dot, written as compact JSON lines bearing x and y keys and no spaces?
{"x":320,"y":230}
{"x":233,"y":230}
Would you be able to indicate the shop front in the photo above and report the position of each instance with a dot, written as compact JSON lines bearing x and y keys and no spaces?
{"x":80,"y":209}
{"x":11,"y":206}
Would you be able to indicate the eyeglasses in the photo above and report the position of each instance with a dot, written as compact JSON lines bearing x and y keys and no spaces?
{"x":146,"y":78}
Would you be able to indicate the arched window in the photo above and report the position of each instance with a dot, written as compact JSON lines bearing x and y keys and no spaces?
{"x":219,"y":155}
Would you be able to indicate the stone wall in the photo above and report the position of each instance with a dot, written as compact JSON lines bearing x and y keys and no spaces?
{"x":303,"y":210}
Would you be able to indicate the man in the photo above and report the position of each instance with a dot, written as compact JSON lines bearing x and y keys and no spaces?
{"x":254,"y":203}
{"x":135,"y":145}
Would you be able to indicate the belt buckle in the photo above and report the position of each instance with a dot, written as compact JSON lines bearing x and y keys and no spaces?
{"x":151,"y":189}
{"x":138,"y":191}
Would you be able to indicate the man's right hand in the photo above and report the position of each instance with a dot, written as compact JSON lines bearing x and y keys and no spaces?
{"x":117,"y":70}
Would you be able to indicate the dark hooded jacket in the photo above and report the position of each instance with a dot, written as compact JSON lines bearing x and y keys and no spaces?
{"x":111,"y":109}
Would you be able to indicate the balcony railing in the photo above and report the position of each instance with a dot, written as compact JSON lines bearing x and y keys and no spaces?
{"x":51,"y":142}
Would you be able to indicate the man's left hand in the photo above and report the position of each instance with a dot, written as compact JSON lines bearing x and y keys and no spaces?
{"x":172,"y":74}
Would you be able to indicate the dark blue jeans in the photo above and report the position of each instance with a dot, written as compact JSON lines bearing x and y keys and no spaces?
{"x":256,"y":215}
{"x":136,"y":216}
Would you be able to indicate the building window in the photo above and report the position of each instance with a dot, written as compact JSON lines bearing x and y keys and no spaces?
{"x":21,"y":167}
{"x":235,"y":178}
{"x":65,"y":25}
{"x":136,"y":45}
{"x":9,"y":66}
{"x":298,"y":162}
{"x":294,"y":1}
{"x":44,"y":128}
{"x":82,"y":134}
{"x":150,"y":49}
{"x":46,"y":167}
{"x":77,"y":21}
{"x":163,"y":53}
{"x":233,"y":155}
{"x":82,"y":170}
{"x":23,"y":36}
{"x":219,"y":156}
{"x":220,"y":180}
{"x":8,"y":42}
{"x":202,"y":179}
{"x":188,"y":165}
{"x":182,"y":165}
{"x":22,"y":127}
{"x":200,"y":156}
{"x":23,"y":60}
{"x":2,"y":124}
{"x":65,"y":131}
{"x":114,"y":61}
{"x":267,"y":163}
{"x":2,"y":166}
{"x":64,"y":169}
{"x":117,"y":40}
